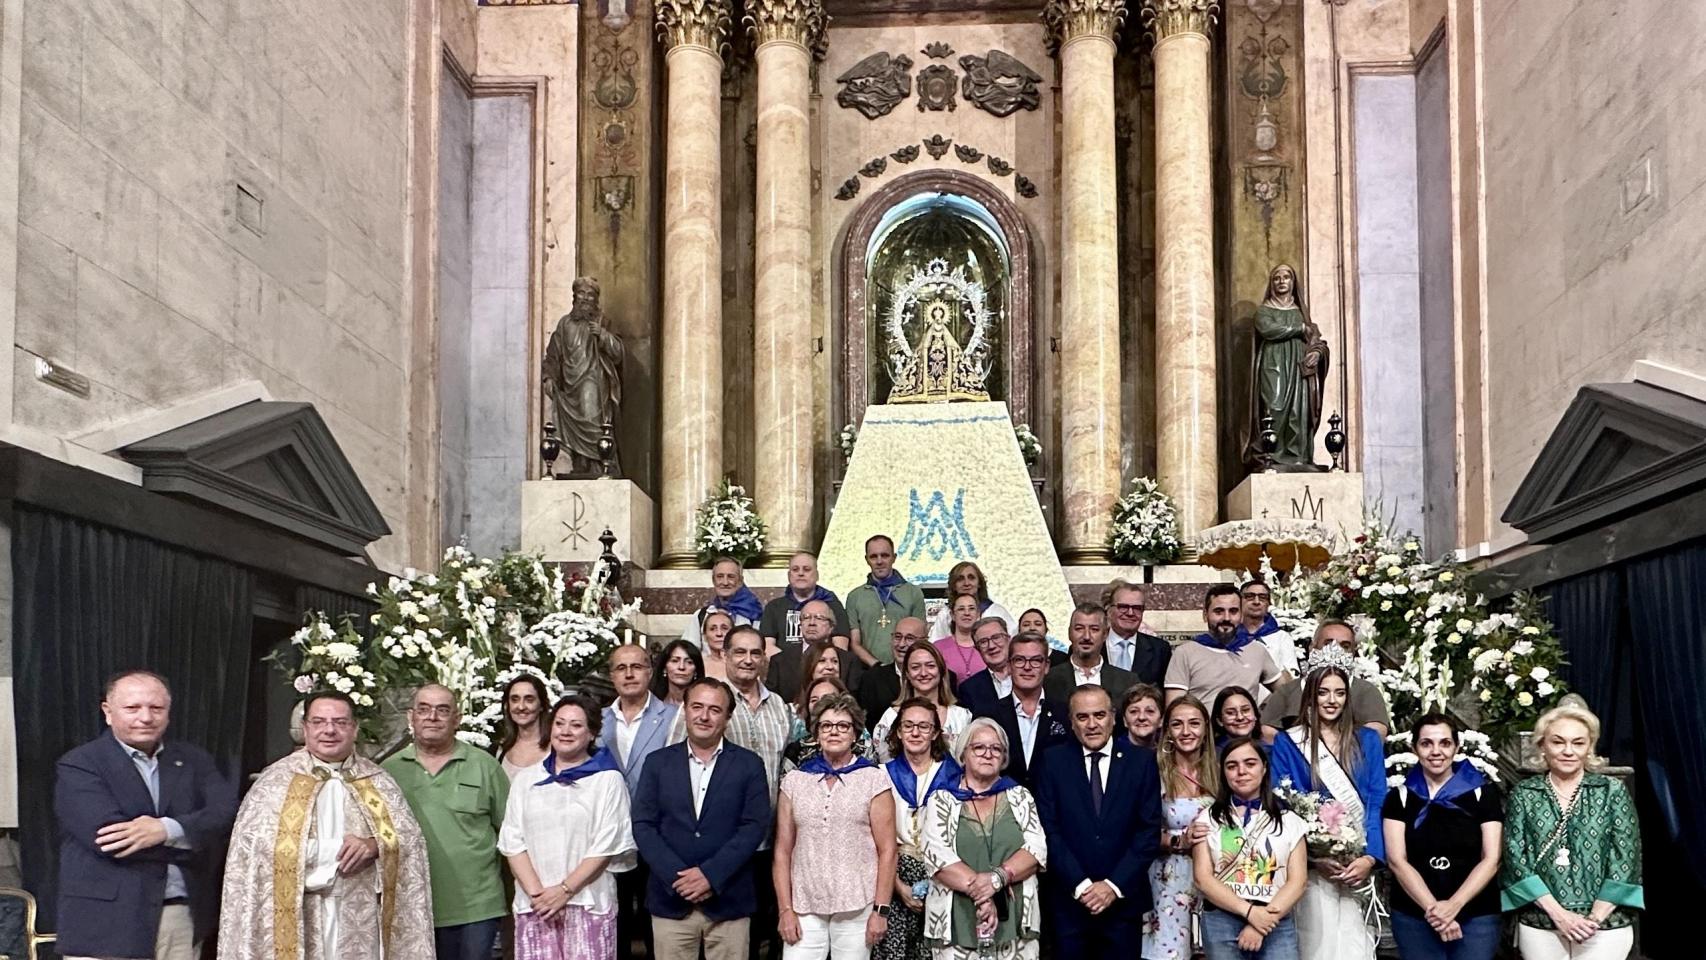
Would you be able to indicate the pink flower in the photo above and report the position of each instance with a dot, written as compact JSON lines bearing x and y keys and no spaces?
{"x":1334,"y":816}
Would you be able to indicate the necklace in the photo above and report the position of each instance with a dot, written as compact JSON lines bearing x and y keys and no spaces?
{"x":1566,"y":807}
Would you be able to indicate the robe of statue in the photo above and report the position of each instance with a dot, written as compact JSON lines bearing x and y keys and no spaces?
{"x":583,"y":364}
{"x":1288,"y":386}
{"x":383,"y":911}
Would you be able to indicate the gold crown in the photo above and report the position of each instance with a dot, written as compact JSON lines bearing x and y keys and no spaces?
{"x":936,"y":368}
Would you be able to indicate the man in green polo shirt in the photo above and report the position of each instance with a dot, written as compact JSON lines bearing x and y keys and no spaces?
{"x":458,"y":794}
{"x":876,"y":605}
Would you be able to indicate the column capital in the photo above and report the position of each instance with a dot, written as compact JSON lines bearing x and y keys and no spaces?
{"x":790,"y":21}
{"x":1067,"y":20}
{"x":1167,"y":18}
{"x":699,"y":23}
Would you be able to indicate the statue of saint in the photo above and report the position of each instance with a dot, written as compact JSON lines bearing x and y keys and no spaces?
{"x":1289,"y":373}
{"x":583,"y":378}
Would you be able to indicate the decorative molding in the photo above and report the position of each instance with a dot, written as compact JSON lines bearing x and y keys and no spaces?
{"x":876,"y":85}
{"x":1169,"y":18}
{"x":937,"y":85}
{"x":906,"y":154}
{"x":1025,"y":187}
{"x":938,"y":146}
{"x":967,"y":154}
{"x":875,"y":168}
{"x":999,"y":167}
{"x":937,"y":50}
{"x":1069,"y":20}
{"x":697,"y":23}
{"x":849,"y":189}
{"x":786,"y":21}
{"x":1000,"y":83}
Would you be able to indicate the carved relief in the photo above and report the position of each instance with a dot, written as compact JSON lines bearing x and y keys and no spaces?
{"x":1000,"y":83}
{"x":938,"y":146}
{"x":936,"y":87}
{"x":849,"y":189}
{"x":1067,"y":20}
{"x":906,"y":154}
{"x":876,"y":85}
{"x":1165,"y":18}
{"x":999,"y":167}
{"x":1026,"y":188}
{"x":699,"y":23}
{"x":937,"y":50}
{"x":875,"y":168}
{"x":967,"y":154}
{"x":789,"y":21}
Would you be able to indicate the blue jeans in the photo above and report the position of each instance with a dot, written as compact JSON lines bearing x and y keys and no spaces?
{"x":466,"y":941}
{"x":1220,"y":938}
{"x":1418,"y":941}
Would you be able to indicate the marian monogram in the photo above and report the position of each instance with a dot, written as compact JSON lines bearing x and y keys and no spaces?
{"x":937,"y":529}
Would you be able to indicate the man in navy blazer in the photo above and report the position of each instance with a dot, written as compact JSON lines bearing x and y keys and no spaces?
{"x":1102,"y":833}
{"x":635,"y":727}
{"x":981,"y":691}
{"x":701,"y":810}
{"x":142,"y":824}
{"x":1045,"y":721}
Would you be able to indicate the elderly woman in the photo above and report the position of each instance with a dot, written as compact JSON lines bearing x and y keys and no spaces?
{"x":984,"y":840}
{"x":835,"y":844}
{"x":1572,"y":868}
{"x":1140,"y":709}
{"x":966,"y":577}
{"x":566,"y":821}
{"x":678,"y":664}
{"x":923,"y":674}
{"x":803,"y":745}
{"x":920,"y":768}
{"x":715,"y":631}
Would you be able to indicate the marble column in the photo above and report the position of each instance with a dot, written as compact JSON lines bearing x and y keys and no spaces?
{"x":785,"y":32}
{"x":693,"y":33}
{"x":1186,"y":418}
{"x":1083,"y":33}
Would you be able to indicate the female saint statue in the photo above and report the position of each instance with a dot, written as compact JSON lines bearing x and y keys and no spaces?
{"x":1289,"y":372}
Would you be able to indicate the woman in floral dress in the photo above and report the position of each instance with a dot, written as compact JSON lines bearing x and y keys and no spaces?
{"x":1189,"y":780}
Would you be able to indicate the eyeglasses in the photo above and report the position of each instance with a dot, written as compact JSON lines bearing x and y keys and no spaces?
{"x":441,"y":710}
{"x":917,"y":726}
{"x":321,"y":723}
{"x":986,"y":750}
{"x":1028,"y":661}
{"x":1253,"y":595}
{"x":992,"y":638}
{"x":907,"y":637}
{"x":1129,"y":607}
{"x":815,"y":618}
{"x":834,"y":726}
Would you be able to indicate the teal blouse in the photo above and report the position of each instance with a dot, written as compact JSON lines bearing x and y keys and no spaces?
{"x":1604,"y":842}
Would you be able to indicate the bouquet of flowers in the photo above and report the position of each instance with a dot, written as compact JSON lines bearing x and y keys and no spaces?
{"x":1146,"y":526}
{"x":1030,"y":447}
{"x":1473,"y":746}
{"x":846,"y":439}
{"x":728,"y":525}
{"x":1333,"y":835}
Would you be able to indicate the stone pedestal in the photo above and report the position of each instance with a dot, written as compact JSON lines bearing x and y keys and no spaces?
{"x":562,"y":519}
{"x":1331,"y":499}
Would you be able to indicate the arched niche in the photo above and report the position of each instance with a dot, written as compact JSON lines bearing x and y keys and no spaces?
{"x":991,"y":222}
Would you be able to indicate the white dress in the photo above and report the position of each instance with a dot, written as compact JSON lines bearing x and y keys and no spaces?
{"x":1329,"y":918}
{"x":560,"y":825}
{"x":958,"y":719}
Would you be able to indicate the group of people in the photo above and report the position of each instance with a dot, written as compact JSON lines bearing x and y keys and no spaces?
{"x":831,"y":780}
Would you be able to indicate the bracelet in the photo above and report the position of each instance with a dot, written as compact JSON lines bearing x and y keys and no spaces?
{"x":1247,"y":911}
{"x":1008,"y":873}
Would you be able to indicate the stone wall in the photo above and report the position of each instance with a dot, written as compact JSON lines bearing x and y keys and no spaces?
{"x":210,"y":193}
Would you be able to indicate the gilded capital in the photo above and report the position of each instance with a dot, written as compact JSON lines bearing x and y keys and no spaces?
{"x":699,"y":23}
{"x":1166,"y":18}
{"x":791,"y":21}
{"x":1067,"y":20}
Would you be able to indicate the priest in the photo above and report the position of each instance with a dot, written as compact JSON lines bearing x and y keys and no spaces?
{"x":326,"y":860}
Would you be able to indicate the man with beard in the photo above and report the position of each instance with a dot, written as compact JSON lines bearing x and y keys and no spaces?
{"x":1088,"y":631}
{"x":1221,"y":658}
{"x":583,"y":378}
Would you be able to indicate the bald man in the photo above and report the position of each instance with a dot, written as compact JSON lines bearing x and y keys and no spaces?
{"x":457,"y":793}
{"x":817,"y":625}
{"x":780,"y":623}
{"x":880,"y":685}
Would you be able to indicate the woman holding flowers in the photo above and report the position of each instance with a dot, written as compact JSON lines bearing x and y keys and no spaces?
{"x":1341,"y":766}
{"x":1572,"y":869}
{"x":1444,"y":828}
{"x":1189,"y":783}
{"x":1252,"y":863}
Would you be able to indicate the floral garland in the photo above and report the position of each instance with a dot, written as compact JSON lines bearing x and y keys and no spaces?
{"x":728,"y":525}
{"x":846,"y":439}
{"x":1145,"y":526}
{"x":1030,"y":448}
{"x":473,"y":625}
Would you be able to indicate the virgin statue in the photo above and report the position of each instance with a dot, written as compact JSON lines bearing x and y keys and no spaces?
{"x":1289,"y":371}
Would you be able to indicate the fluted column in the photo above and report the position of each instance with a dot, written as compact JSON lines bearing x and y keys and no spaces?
{"x":1083,"y":32}
{"x":785,"y":31}
{"x":693,"y":33}
{"x":1185,"y":413}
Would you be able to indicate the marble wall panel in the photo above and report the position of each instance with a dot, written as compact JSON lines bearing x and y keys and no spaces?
{"x":1437,"y":327}
{"x":455,"y":298}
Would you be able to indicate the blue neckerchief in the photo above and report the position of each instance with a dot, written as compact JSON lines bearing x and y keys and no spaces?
{"x":1250,"y":807}
{"x":1270,"y":625}
{"x":886,"y":586}
{"x":600,"y":761}
{"x":818,"y":593}
{"x":819,"y":764}
{"x":906,"y":782}
{"x":1464,"y":779}
{"x":1238,"y":642}
{"x":965,"y":794}
{"x":742,"y":603}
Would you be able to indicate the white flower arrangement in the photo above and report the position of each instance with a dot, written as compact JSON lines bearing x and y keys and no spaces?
{"x":728,"y":525}
{"x":1145,"y":526}
{"x":846,"y":439}
{"x":1472,"y":745}
{"x":1030,"y":448}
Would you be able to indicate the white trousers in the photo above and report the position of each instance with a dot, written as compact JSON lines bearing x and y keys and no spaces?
{"x":1537,"y":944}
{"x":835,"y":936}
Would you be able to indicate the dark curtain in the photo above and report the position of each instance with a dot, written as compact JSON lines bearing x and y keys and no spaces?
{"x":90,"y":601}
{"x":1591,"y":615}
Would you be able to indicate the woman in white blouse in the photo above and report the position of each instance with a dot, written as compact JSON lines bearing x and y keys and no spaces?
{"x":567,"y":820}
{"x":923,"y":674}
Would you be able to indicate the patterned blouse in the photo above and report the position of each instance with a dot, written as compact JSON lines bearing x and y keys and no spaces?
{"x":835,"y":856}
{"x":1603,"y":858}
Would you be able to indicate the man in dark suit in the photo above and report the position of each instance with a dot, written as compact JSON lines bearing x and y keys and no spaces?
{"x":700,"y":813}
{"x":981,"y":691}
{"x":1032,"y":722}
{"x":142,"y":826}
{"x":1143,"y":655}
{"x":1100,"y":806}
{"x":1089,"y":635}
{"x":817,"y":626}
{"x":879,"y":686}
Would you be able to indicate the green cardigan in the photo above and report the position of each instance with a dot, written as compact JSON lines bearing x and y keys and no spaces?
{"x":1605,"y":852}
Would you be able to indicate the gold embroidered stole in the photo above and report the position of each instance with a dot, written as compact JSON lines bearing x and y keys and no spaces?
{"x":287,"y":858}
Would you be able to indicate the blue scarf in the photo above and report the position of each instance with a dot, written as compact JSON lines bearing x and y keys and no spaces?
{"x":906,"y":782}
{"x":1250,"y":807}
{"x":1240,"y":640}
{"x":600,"y":761}
{"x":743,"y":603}
{"x":1464,"y":779}
{"x":886,"y":586}
{"x":1270,"y":625}
{"x":819,"y":765}
{"x":965,"y":794}
{"x":818,"y":593}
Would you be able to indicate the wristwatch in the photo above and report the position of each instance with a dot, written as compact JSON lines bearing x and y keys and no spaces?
{"x":997,"y":880}
{"x":881,"y":910}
